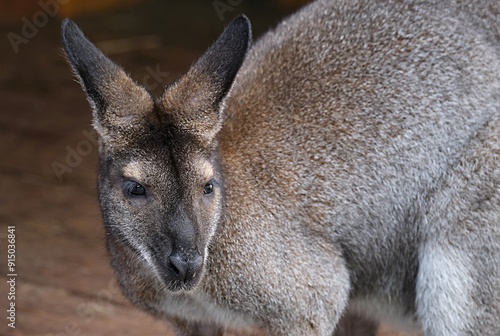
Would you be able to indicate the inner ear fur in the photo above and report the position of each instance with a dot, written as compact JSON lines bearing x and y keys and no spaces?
{"x":116,"y":100}
{"x":194,"y":104}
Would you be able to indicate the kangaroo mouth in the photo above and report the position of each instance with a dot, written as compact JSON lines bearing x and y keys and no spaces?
{"x":181,"y":271}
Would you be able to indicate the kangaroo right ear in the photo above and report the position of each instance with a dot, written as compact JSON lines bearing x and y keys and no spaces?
{"x":195,"y":102}
{"x":115,"y":98}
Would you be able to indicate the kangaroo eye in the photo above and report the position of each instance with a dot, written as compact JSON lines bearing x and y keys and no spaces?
{"x":208,"y":188}
{"x":135,"y":189}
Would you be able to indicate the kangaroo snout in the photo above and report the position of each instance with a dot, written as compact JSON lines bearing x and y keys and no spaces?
{"x":184,"y":268}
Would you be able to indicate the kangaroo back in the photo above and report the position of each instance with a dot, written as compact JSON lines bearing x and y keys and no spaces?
{"x":348,"y":160}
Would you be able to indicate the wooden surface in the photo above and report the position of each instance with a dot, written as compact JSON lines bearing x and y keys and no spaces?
{"x":64,"y":283}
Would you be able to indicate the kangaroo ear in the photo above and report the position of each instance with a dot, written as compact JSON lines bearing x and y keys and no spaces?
{"x":115,"y":98}
{"x":195,"y":103}
{"x":223,"y":59}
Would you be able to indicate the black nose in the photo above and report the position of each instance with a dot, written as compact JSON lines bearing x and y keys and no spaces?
{"x":185,"y":268}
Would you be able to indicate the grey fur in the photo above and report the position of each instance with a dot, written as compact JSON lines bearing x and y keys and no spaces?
{"x":357,"y":164}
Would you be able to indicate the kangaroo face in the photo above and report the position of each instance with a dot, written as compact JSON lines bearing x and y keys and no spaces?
{"x":160,"y":187}
{"x":169,"y":200}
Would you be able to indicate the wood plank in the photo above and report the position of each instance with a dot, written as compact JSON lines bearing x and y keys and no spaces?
{"x":386,"y":329}
{"x":54,"y":311}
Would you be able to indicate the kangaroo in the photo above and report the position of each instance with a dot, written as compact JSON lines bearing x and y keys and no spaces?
{"x":348,"y":160}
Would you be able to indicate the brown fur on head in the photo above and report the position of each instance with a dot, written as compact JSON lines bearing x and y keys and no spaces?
{"x":159,"y":182}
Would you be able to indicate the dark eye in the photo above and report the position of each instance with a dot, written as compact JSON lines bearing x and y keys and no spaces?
{"x":135,"y":189}
{"x":209,"y":187}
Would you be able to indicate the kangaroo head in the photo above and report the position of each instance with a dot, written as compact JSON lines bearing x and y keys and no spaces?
{"x":160,"y":186}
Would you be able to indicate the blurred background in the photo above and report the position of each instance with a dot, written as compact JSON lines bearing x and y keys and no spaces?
{"x":64,"y":284}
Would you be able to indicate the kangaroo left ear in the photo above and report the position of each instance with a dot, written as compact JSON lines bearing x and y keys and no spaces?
{"x":196,"y":101}
{"x":116,"y":100}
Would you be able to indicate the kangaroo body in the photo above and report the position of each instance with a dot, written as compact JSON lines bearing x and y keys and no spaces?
{"x":349,"y":159}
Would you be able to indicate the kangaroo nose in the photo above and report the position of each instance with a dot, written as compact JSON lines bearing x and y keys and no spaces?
{"x":185,"y":268}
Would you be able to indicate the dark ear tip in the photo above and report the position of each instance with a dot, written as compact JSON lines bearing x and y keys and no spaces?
{"x":65,"y":23}
{"x":68,"y":30}
{"x":243,"y":22}
{"x":242,"y":18}
{"x":66,"y":26}
{"x":73,"y":39}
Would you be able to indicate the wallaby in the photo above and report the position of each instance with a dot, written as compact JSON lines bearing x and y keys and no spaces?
{"x":348,"y":160}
